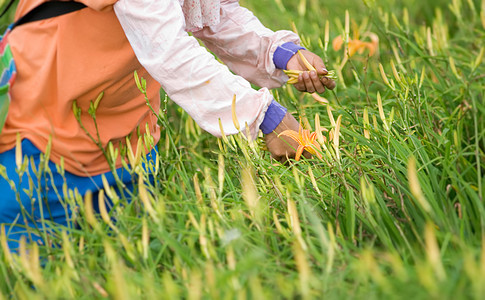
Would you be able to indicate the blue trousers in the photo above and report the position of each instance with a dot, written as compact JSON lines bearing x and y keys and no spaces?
{"x":31,"y":203}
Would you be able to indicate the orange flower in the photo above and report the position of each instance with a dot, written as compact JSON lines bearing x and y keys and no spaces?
{"x":356,"y":45}
{"x":306,"y":141}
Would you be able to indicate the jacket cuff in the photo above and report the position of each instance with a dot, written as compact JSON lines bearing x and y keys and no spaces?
{"x":283,"y":54}
{"x":273,"y":117}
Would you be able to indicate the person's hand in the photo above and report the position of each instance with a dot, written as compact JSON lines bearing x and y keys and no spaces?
{"x":310,"y":81}
{"x":283,"y":148}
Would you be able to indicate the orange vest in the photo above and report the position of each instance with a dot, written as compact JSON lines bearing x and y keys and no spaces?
{"x":70,"y":58}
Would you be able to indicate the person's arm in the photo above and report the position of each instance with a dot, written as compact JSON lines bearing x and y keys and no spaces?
{"x":188,"y":73}
{"x":245,"y":45}
{"x":259,"y":54}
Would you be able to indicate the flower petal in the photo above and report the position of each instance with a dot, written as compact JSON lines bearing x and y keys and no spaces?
{"x":313,"y":137}
{"x":354,"y":45}
{"x":374,"y":44}
{"x":305,"y":136}
{"x":337,"y":43}
{"x":292,"y":134}
{"x":299,"y":151}
{"x":310,"y":149}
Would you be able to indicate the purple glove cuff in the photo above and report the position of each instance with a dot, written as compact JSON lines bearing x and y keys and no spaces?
{"x":283,"y":54}
{"x":274,"y":115}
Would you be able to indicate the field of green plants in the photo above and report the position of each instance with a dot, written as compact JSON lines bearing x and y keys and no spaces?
{"x":392,"y":208}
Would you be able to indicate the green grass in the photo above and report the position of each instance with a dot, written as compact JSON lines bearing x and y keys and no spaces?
{"x":399,"y":214}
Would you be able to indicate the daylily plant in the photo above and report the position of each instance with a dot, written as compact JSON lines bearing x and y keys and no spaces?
{"x":306,"y":141}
